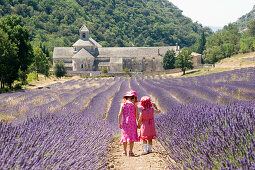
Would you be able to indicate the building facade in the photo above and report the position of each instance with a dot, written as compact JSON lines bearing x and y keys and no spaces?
{"x":88,"y":55}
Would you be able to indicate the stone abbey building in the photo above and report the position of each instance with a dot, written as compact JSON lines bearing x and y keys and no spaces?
{"x":87,"y":55}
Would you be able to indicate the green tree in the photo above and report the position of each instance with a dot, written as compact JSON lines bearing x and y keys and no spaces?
{"x":169,"y":60}
{"x":41,"y":62}
{"x":246,"y":44}
{"x":184,"y":60}
{"x":222,"y":44}
{"x":251,"y":28}
{"x":228,"y":49}
{"x":213,"y":54}
{"x":59,"y":69}
{"x":8,"y":59}
{"x":19,"y":37}
{"x":201,"y":43}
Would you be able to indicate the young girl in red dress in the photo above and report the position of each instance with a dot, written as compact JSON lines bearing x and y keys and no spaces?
{"x":128,"y":126}
{"x":146,"y":123}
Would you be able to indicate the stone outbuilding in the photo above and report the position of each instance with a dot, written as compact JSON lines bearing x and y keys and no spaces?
{"x":197,"y":59}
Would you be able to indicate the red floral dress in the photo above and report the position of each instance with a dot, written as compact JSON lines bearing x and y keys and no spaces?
{"x":148,"y":130}
{"x":129,"y":125}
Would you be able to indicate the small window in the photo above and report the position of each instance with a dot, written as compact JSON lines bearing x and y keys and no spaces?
{"x":82,"y":66}
{"x":83,"y":35}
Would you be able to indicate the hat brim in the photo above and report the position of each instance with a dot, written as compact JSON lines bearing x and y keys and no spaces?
{"x":128,"y":95}
{"x":139,"y":104}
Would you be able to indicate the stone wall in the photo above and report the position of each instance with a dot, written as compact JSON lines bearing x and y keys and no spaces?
{"x":116,"y":64}
{"x":83,"y":64}
{"x":141,"y":64}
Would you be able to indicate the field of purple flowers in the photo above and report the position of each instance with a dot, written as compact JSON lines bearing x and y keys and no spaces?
{"x":208,"y":122}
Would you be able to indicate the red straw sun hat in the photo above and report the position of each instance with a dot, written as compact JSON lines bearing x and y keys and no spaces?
{"x":145,"y":102}
{"x":131,"y":93}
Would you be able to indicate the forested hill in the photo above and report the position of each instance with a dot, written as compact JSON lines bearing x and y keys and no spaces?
{"x":111,"y":22}
{"x":245,"y":19}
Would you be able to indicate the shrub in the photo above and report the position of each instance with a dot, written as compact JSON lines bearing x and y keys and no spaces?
{"x":246,"y":44}
{"x":60,"y":69}
{"x":126,"y":70}
{"x":104,"y":70}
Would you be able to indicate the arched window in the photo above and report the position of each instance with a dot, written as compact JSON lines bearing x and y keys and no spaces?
{"x":82,"y":66}
{"x":84,"y":35}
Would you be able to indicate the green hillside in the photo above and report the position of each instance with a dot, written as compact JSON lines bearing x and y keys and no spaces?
{"x":112,"y":22}
{"x":245,"y":19}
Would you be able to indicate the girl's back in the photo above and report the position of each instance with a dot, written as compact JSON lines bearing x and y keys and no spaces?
{"x":129,"y":125}
{"x":129,"y":116}
{"x":148,"y":130}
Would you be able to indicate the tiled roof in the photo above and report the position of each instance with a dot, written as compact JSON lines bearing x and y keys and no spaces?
{"x":134,"y":51}
{"x":86,"y":43}
{"x":195,"y":54}
{"x":96,"y":43}
{"x":63,"y":52}
{"x":82,"y":54}
{"x":84,"y":28}
{"x":83,"y":43}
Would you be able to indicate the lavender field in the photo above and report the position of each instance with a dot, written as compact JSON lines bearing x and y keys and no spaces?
{"x":207,"y":122}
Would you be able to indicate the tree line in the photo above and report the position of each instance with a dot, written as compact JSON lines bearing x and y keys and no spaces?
{"x":111,"y":22}
{"x":17,"y":55}
{"x":226,"y":42}
{"x":222,"y":44}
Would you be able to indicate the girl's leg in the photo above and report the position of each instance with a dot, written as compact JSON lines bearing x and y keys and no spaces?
{"x":150,"y":145}
{"x":125,"y":147}
{"x":144,"y":147}
{"x":131,"y":145}
{"x":150,"y":141}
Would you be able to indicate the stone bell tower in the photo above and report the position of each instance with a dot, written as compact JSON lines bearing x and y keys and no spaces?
{"x":84,"y":33}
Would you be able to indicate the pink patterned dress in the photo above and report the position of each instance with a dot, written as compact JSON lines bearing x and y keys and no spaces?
{"x":148,"y":130}
{"x":129,"y":125}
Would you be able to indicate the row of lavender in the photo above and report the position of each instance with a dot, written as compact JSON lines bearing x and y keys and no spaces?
{"x":209,"y":121}
{"x":63,"y":117}
{"x":71,"y":95}
{"x":63,"y":126}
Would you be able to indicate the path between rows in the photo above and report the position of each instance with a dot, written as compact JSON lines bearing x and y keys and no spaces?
{"x":152,"y":161}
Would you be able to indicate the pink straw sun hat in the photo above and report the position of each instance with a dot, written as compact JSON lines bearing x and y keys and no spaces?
{"x":145,"y":103}
{"x":131,"y":93}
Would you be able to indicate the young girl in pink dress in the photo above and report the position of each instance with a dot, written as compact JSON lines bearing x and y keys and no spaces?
{"x":146,"y":123}
{"x":128,"y":126}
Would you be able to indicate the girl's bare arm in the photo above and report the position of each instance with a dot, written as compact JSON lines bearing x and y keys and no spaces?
{"x":140,"y":121}
{"x":136,"y":113}
{"x":157,"y":110}
{"x":120,"y":116}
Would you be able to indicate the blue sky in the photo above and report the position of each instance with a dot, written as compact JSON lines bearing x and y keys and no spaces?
{"x":214,"y":12}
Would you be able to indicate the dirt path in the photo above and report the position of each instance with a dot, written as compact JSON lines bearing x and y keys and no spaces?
{"x":152,"y":161}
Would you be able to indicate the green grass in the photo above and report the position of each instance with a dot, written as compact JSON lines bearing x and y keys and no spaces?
{"x":201,"y":72}
{"x":31,"y":77}
{"x":5,"y":117}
